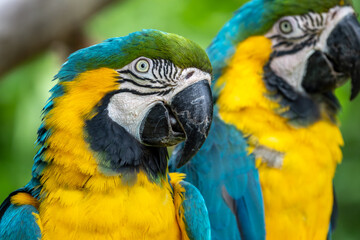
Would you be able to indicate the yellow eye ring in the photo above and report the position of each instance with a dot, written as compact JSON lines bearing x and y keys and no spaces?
{"x":286,"y":27}
{"x":142,"y":66}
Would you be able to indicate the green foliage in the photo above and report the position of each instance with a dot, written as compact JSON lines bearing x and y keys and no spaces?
{"x":198,"y":20}
{"x":24,"y":91}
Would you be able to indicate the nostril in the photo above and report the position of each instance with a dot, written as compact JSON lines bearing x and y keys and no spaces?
{"x":175,"y":124}
{"x":189,"y":74}
{"x":172,"y":121}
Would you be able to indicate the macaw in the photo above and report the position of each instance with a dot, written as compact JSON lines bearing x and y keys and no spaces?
{"x":275,"y":143}
{"x":101,"y":171}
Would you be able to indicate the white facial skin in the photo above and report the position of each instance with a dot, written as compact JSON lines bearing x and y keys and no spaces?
{"x":151,"y":78}
{"x":312,"y":30}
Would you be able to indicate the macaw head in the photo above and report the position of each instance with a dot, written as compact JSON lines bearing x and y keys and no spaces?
{"x":123,"y":101}
{"x":312,"y":47}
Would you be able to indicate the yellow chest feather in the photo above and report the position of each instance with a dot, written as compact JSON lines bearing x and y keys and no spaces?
{"x":297,"y":195}
{"x":141,"y":211}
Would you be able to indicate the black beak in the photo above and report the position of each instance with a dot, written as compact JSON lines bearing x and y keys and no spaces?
{"x":344,"y":50}
{"x":188,"y":117}
{"x":330,"y":69}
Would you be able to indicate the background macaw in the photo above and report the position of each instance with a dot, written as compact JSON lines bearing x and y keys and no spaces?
{"x":276,"y":64}
{"x":101,"y":171}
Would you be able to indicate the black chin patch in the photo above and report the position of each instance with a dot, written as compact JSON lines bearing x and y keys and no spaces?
{"x":319,"y":75}
{"x":117,"y":151}
{"x":302,"y":109}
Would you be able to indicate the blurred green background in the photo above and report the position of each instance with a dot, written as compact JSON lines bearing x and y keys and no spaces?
{"x":24,"y":90}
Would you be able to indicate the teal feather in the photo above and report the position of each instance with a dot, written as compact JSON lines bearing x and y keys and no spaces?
{"x":195,"y":213}
{"x":18,"y":222}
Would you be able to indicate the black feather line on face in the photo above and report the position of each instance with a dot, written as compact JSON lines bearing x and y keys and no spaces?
{"x":303,"y":109}
{"x":118,"y":151}
{"x":136,"y":76}
{"x":310,"y":41}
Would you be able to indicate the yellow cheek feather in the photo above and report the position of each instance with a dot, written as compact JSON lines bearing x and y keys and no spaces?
{"x":238,"y":87}
{"x":67,"y":118}
{"x":79,"y":202}
{"x":298,"y":196}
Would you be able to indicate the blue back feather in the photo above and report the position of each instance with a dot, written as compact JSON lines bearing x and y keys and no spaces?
{"x":195,"y":213}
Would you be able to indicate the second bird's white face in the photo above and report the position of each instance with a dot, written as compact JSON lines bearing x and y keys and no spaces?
{"x":296,"y":38}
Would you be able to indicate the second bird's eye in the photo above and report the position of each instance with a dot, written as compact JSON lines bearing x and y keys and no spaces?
{"x":286,"y":27}
{"x":142,"y":66}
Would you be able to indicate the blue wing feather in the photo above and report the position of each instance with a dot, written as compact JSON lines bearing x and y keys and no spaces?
{"x":223,"y":161}
{"x":18,"y":222}
{"x":247,"y":210}
{"x":195,"y":213}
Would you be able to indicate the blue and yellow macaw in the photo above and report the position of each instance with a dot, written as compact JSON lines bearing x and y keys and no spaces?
{"x":101,"y":171}
{"x":276,"y":64}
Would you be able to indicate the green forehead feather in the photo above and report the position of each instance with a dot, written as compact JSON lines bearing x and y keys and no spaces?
{"x":179,"y":50}
{"x":117,"y":52}
{"x":277,"y":9}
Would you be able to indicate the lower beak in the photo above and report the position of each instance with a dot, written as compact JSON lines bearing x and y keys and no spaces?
{"x":188,"y":117}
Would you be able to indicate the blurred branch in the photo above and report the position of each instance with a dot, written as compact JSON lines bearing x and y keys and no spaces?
{"x":28,"y":27}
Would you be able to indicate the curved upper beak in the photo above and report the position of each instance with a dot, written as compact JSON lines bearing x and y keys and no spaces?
{"x":194,"y":109}
{"x":344,"y":50}
{"x":340,"y":60}
{"x":187,"y":117}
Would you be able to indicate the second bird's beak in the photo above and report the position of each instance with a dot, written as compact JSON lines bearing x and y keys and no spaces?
{"x":186,"y":118}
{"x":344,"y":50}
{"x":329,"y":69}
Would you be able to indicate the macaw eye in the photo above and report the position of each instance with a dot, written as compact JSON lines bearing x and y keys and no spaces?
{"x":285,"y":26}
{"x":142,"y":66}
